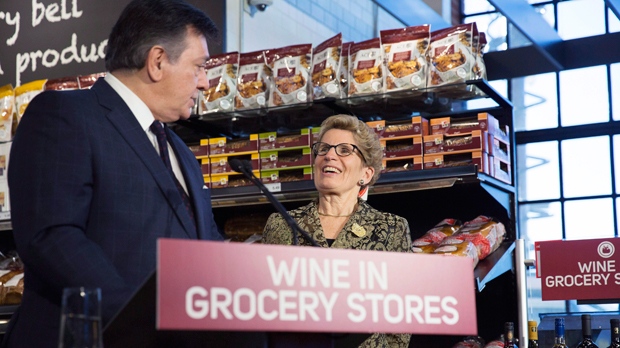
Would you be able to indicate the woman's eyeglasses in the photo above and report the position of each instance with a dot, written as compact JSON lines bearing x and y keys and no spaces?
{"x":342,"y":149}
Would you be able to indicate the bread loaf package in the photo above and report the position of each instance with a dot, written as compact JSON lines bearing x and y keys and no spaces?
{"x":458,"y":247}
{"x":435,"y":235}
{"x":486,"y":234}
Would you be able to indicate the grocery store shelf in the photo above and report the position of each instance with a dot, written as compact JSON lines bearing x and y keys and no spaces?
{"x":497,"y":263}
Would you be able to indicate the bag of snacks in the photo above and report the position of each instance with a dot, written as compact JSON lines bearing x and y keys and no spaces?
{"x":451,"y":55}
{"x":480,"y":69}
{"x":366,"y":67}
{"x":290,"y":72}
{"x":325,"y":62}
{"x":405,"y":57}
{"x":252,"y":77}
{"x":221,"y":73}
{"x":343,"y":69}
{"x":25,"y":93}
{"x":7,"y":105}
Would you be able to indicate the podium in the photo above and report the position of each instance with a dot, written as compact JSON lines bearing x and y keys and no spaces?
{"x":135,"y":326}
{"x":215,"y":294}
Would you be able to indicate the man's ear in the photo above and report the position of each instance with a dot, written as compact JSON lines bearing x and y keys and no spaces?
{"x":154,"y":62}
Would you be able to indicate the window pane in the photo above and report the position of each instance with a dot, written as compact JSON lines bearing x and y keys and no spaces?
{"x":584,"y":96}
{"x":476,"y":6}
{"x":538,"y":171}
{"x":535,"y":305}
{"x":494,"y":26}
{"x":616,"y":140}
{"x":586,"y":167}
{"x":614,"y":23}
{"x":589,"y":219}
{"x":615,"y":90}
{"x":581,"y":18}
{"x":547,"y":13}
{"x":538,"y":222}
{"x":517,"y":39}
{"x":535,"y":102}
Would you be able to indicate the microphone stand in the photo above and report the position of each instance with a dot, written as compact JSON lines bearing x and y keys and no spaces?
{"x":245,"y":167}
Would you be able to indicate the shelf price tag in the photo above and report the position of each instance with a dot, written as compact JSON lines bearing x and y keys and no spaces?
{"x":579,"y":269}
{"x":274,"y":187}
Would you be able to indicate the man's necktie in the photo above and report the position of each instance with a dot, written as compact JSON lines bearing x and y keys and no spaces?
{"x":158,"y":129}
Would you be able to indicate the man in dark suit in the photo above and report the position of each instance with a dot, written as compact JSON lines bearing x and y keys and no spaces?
{"x":90,"y":193}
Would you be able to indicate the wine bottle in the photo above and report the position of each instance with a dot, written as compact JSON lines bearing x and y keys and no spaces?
{"x":509,"y":335}
{"x":560,"y":340}
{"x":615,"y":333}
{"x":586,"y":332}
{"x":532,"y":334}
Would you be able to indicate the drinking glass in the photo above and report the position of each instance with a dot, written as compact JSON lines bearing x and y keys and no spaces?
{"x":80,"y":321}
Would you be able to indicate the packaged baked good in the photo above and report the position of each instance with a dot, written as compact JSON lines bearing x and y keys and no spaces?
{"x":486,"y":234}
{"x":86,"y":81}
{"x":252,"y":77}
{"x":435,"y":235}
{"x":480,"y":70}
{"x":290,"y":73}
{"x":7,"y":107}
{"x":458,"y":247}
{"x":451,"y":55}
{"x":62,"y":84}
{"x":221,"y":73}
{"x":25,"y":93}
{"x":405,"y":57}
{"x":325,"y":62}
{"x":343,"y":69}
{"x":366,"y":67}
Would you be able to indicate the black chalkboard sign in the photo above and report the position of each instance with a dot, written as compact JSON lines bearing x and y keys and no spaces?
{"x":45,"y":39}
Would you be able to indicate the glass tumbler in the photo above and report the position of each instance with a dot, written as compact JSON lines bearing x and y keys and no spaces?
{"x":80,"y":320}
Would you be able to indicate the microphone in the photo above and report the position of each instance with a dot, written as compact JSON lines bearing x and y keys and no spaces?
{"x":245,"y":167}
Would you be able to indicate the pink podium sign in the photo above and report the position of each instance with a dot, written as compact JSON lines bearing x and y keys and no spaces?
{"x":206,"y":285}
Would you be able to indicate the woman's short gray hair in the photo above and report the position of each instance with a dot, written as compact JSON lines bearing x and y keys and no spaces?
{"x":367,"y":140}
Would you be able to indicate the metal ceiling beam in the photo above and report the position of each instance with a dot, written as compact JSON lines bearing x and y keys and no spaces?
{"x":614,"y":6}
{"x":413,"y":12}
{"x":524,"y":61}
{"x":544,"y":38}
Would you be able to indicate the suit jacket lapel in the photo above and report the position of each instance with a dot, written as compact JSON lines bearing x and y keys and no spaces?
{"x":126,"y":124}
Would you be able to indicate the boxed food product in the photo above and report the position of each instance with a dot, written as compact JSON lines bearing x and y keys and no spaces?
{"x":285,"y":158}
{"x":222,"y":146}
{"x":200,"y":150}
{"x":499,"y":148}
{"x":325,"y":62}
{"x":401,"y":164}
{"x":62,"y":84}
{"x":252,"y":81}
{"x":402,"y":147}
{"x":418,"y":125}
{"x":405,"y":57}
{"x":231,"y":180}
{"x":219,"y":165}
{"x":86,"y":81}
{"x":273,"y":140}
{"x":271,"y":176}
{"x":464,"y":125}
{"x":366,"y":67}
{"x":241,"y":227}
{"x":478,"y":158}
{"x":290,"y":75}
{"x":501,"y":170}
{"x":451,"y":55}
{"x":221,"y":73}
{"x":441,"y":143}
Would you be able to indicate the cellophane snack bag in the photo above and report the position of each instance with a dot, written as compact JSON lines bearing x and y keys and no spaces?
{"x":24,"y":94}
{"x":252,"y":79}
{"x":87,"y":81}
{"x":366,"y":67}
{"x":325,"y":62}
{"x":7,"y":107}
{"x":221,"y":73}
{"x":405,"y":57}
{"x":451,"y":55}
{"x":62,"y":84}
{"x":343,"y":69}
{"x":290,"y":74}
{"x":480,"y":70}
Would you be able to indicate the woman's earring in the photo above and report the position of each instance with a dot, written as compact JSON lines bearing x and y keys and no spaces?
{"x":361,"y":182}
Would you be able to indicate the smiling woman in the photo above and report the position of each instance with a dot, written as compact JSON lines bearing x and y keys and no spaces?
{"x":347,"y":159}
